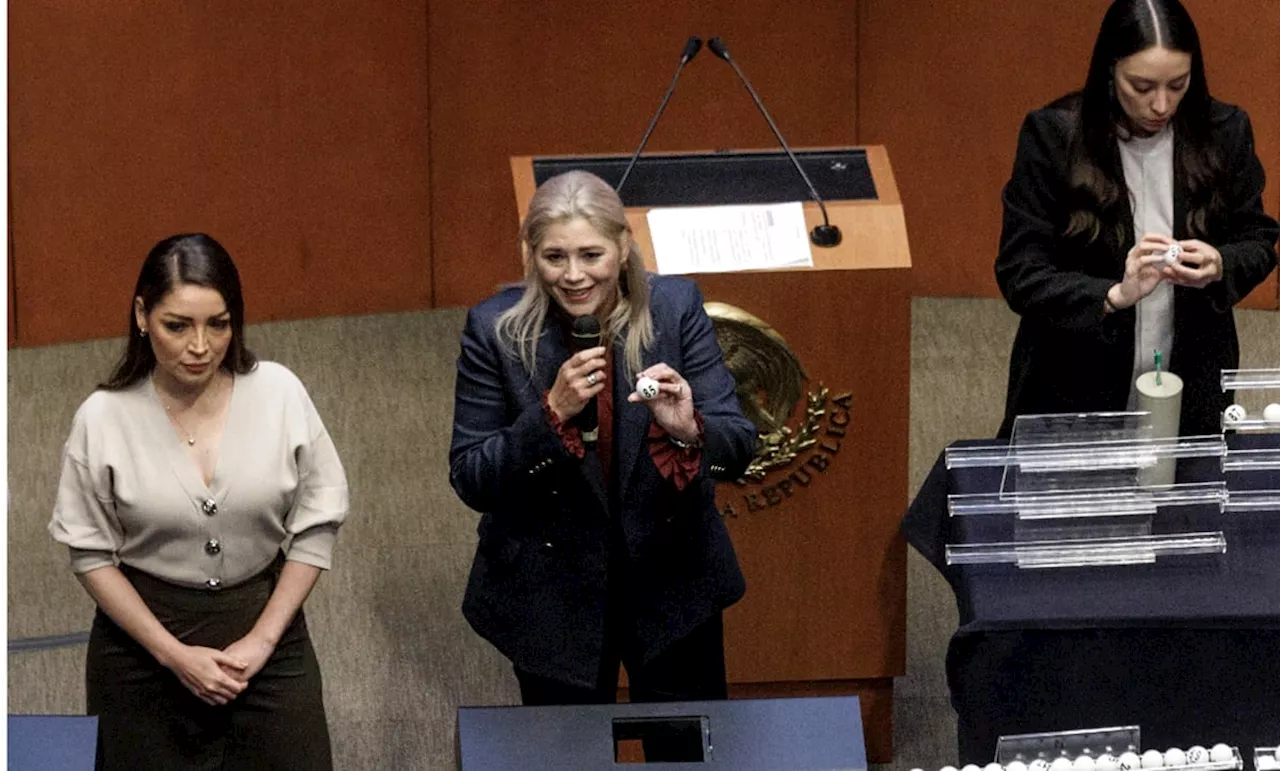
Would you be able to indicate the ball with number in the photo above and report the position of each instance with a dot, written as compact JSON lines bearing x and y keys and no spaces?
{"x":647,"y":387}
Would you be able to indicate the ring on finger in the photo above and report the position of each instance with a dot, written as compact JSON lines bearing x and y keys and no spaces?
{"x":591,"y":379}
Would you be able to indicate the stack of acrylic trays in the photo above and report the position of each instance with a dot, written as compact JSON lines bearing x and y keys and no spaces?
{"x":1076,"y":491}
{"x":1255,"y":411}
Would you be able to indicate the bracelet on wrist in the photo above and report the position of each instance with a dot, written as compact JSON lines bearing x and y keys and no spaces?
{"x":684,"y":445}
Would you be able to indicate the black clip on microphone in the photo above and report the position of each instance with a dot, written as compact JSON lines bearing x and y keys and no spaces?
{"x":824,"y":235}
{"x":691,"y":48}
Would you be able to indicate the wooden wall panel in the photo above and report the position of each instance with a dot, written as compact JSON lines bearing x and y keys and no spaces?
{"x":293,"y":132}
{"x":553,"y":78}
{"x":945,"y":87}
{"x":12,"y":327}
{"x":1242,"y":63}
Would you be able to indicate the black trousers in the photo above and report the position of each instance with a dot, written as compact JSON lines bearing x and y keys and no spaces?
{"x":147,"y":719}
{"x":690,"y":670}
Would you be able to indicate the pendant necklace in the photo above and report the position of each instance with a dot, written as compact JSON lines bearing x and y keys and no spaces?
{"x":191,"y":438}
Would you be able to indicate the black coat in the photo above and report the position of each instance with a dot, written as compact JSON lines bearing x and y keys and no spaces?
{"x":1068,"y":355}
{"x":537,"y":588}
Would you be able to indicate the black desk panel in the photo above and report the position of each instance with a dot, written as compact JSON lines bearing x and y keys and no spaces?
{"x":1188,"y":647}
{"x":804,"y":734}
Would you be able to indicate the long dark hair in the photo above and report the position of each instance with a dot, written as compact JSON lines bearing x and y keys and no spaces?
{"x":189,"y":258}
{"x":1097,"y":177}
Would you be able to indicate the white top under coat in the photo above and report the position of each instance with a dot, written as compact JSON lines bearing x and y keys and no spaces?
{"x":1148,"y":173}
{"x":131,"y":494}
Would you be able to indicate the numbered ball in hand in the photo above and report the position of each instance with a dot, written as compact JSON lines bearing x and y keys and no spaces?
{"x":1173,"y":254}
{"x":647,"y":387}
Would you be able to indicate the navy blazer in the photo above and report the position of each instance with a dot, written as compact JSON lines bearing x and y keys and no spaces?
{"x":537,"y":588}
{"x":1068,"y":355}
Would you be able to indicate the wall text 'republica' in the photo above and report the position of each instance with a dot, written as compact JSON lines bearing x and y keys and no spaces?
{"x":760,"y":496}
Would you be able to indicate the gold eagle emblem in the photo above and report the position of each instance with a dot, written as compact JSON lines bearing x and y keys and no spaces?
{"x":770,"y":383}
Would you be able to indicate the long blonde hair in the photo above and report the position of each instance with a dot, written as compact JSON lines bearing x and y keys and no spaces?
{"x":565,"y":197}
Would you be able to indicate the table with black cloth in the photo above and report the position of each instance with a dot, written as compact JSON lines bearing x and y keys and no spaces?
{"x":1187,"y":648}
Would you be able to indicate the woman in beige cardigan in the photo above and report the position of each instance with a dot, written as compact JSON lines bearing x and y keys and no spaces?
{"x":185,"y":475}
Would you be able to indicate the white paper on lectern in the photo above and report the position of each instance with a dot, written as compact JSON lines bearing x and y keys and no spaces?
{"x":722,"y":239}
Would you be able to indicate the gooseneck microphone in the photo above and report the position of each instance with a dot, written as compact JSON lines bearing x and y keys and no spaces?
{"x":826,"y":234}
{"x":691,"y":48}
{"x":586,"y":334}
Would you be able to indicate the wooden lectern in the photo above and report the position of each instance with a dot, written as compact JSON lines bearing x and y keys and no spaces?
{"x":816,"y":529}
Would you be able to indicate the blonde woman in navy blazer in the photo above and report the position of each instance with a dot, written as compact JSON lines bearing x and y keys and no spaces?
{"x":592,"y":553}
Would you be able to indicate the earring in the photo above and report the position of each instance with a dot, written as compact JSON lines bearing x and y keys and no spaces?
{"x":142,"y":333}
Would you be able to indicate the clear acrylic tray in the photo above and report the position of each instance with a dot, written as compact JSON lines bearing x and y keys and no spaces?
{"x":1052,"y":744}
{"x":1250,"y":379}
{"x":1266,"y":758}
{"x":1265,"y":459}
{"x":1242,"y":501}
{"x":1043,"y":750}
{"x":1248,"y":383}
{"x":1123,"y":453}
{"x":1084,"y":552}
{"x":1104,"y":502}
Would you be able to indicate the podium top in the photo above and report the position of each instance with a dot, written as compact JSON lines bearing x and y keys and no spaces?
{"x":719,"y":178}
{"x":857,"y":184}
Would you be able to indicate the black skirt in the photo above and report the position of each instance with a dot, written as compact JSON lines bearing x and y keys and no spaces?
{"x":147,"y":719}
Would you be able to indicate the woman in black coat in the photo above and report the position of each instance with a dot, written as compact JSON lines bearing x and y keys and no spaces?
{"x":1105,"y":182}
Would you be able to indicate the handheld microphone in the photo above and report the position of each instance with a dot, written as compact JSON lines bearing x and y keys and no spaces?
{"x":826,"y":234}
{"x":586,"y":334}
{"x":691,"y":48}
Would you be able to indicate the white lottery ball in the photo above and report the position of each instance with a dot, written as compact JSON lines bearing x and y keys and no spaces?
{"x":1175,"y":757}
{"x":1197,"y":755}
{"x":1106,"y":762}
{"x":1039,"y":764}
{"x":1234,"y":414}
{"x":1272,"y":413}
{"x":1084,"y":763}
{"x":1129,"y":761}
{"x":993,"y":767}
{"x":948,"y":768}
{"x":1172,"y":254}
{"x":647,"y":387}
{"x":1060,"y":764}
{"x":1016,"y":765}
{"x":1153,"y":759}
{"x":972,"y":767}
{"x":1221,"y":753}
